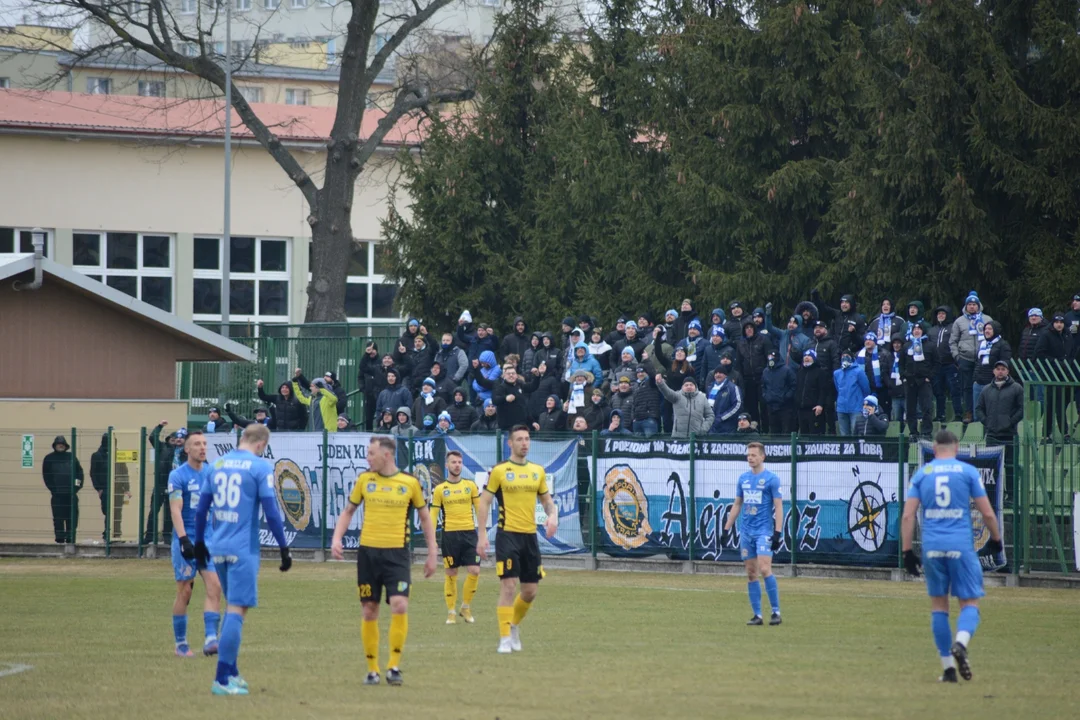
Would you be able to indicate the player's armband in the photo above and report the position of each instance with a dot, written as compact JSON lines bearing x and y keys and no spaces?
{"x":176,"y":495}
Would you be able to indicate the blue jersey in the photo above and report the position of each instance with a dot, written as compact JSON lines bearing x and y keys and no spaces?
{"x":237,"y":482}
{"x":757,"y":493}
{"x":945,"y":489}
{"x":185,"y":484}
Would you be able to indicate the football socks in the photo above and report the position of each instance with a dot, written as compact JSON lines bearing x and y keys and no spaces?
{"x":966,"y":624}
{"x":450,"y":589}
{"x":939,"y":623}
{"x":211,"y":620}
{"x":520,"y":609}
{"x":369,"y":634}
{"x":506,"y":618}
{"x":399,"y":629}
{"x":179,"y":628}
{"x":774,"y":593}
{"x":753,"y":589}
{"x":229,"y":646}
{"x":471,"y":581}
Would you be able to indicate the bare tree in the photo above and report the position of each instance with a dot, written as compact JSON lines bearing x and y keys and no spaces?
{"x":157,"y":28}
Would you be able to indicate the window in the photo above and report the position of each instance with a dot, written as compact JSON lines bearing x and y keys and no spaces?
{"x":21,"y":240}
{"x":367,"y":297}
{"x":243,"y":5}
{"x":139,"y":265}
{"x":98,"y":86}
{"x":297,"y":96}
{"x":331,"y":52}
{"x":239,"y":48}
{"x":152,"y":88}
{"x":251,"y":94}
{"x":189,"y":50}
{"x":298,"y":4}
{"x":258,"y":279}
{"x":219,"y":48}
{"x":490,"y":3}
{"x":271,"y":4}
{"x":188,"y":7}
{"x":5,"y":83}
{"x":380,"y":41}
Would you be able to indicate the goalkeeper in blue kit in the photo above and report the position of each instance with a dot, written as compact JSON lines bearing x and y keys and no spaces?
{"x":944,"y":489}
{"x":759,"y":507}
{"x":239,"y":483}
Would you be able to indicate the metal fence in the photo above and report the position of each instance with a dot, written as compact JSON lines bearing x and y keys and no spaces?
{"x":622,"y":496}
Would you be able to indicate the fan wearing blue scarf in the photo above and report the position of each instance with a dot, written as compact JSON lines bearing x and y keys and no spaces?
{"x":868,"y":357}
{"x":886,"y":325}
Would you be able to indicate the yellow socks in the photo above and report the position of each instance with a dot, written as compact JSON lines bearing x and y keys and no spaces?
{"x":369,"y":634}
{"x":520,"y":608}
{"x":399,"y":628}
{"x":450,"y":588}
{"x":506,"y":617}
{"x":471,"y":581}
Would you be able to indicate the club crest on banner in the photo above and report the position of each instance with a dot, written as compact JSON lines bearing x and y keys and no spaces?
{"x":626,"y":508}
{"x":293,"y":493}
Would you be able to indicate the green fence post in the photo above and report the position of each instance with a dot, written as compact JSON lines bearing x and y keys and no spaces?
{"x":142,"y":487}
{"x":498,"y":447}
{"x":1016,"y":505}
{"x":412,"y":449}
{"x":794,"y":498}
{"x":325,"y":494}
{"x":593,"y":487}
{"x":690,"y":514}
{"x":74,"y":498}
{"x":109,"y":496}
{"x":901,"y":462}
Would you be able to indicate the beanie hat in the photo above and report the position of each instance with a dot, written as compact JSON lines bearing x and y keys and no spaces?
{"x":810,"y":353}
{"x":414,"y":322}
{"x":870,"y":400}
{"x":568,"y":321}
{"x":672,"y":312}
{"x":972,"y":297}
{"x":734,"y":304}
{"x":444,"y":415}
{"x":690,"y":379}
{"x":870,"y":336}
{"x":624,"y":379}
{"x":631,"y":324}
{"x":488,"y":403}
{"x":429,"y":381}
{"x":466,"y":316}
{"x":628,"y":350}
{"x":1035,"y":312}
{"x":1058,"y":317}
{"x":695,"y":324}
{"x":717,"y":331}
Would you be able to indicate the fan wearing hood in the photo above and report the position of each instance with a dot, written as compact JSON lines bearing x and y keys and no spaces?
{"x":582,"y":360}
{"x":393,"y":395}
{"x":551,"y":418}
{"x":615,"y":425}
{"x":287,"y":412}
{"x":918,"y":366}
{"x":946,"y":374}
{"x":992,"y":349}
{"x":811,"y":395}
{"x":778,"y":384}
{"x":964,"y":340}
{"x":792,"y":341}
{"x":322,"y":402}
{"x":370,"y":380}
{"x":752,"y":352}
{"x":462,"y":412}
{"x":515,"y":343}
{"x":717,"y":318}
{"x":485,"y":371}
{"x":687,"y":314}
{"x":848,"y":325}
{"x":735,"y":320}
{"x":534,"y":354}
{"x":64,"y":482}
{"x":758,"y":319}
{"x":809,"y":313}
{"x":599,"y":349}
{"x":404,"y":426}
{"x":386,"y":421}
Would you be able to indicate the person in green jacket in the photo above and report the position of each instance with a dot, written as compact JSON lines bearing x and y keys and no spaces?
{"x":321,"y":398}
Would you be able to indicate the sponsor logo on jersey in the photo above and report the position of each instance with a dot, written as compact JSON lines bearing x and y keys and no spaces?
{"x":626,"y":508}
{"x":752,"y":497}
{"x":293,"y":493}
{"x":371,"y":487}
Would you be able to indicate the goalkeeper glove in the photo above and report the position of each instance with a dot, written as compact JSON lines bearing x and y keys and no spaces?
{"x":286,"y":559}
{"x":776,"y":540}
{"x":911,"y":563}
{"x":202,"y":554}
{"x":187,"y":550}
{"x":993,"y":547}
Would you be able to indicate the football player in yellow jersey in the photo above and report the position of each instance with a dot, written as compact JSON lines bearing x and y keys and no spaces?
{"x":517,"y":485}
{"x":454,"y":499}
{"x":382,"y":560}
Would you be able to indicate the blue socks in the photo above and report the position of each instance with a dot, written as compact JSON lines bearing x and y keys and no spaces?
{"x":774,"y":593}
{"x":966,"y":624}
{"x":753,"y":589}
{"x":229,"y":647}
{"x":211,"y":620}
{"x":939,"y":623}
{"x":179,"y":628}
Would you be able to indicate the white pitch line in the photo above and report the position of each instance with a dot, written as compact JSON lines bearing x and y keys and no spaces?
{"x":14,"y":669}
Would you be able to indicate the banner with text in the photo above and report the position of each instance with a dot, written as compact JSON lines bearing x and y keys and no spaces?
{"x":846,"y":510}
{"x":990,"y":462}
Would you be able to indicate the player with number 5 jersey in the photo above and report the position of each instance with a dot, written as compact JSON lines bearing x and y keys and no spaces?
{"x":944,"y":489}
{"x":239,"y":484}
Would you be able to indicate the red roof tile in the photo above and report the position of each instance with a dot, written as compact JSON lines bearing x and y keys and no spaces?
{"x":146,"y":116}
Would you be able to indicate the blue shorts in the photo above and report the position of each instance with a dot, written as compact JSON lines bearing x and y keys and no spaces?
{"x":961,"y":574}
{"x":239,"y":578}
{"x":750,"y":546}
{"x":184,"y":569}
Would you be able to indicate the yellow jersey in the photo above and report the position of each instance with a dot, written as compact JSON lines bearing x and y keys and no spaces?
{"x":386,"y":500}
{"x":455,"y":501}
{"x":517,"y":488}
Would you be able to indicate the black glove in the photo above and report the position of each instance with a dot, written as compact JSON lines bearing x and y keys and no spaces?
{"x":776,"y":541}
{"x":187,"y":550}
{"x":202,"y":553}
{"x":911,"y":563}
{"x":286,"y":559}
{"x":993,"y":547}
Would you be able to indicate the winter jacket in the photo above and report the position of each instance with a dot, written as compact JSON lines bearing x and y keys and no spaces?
{"x":852,"y":387}
{"x":709,"y":359}
{"x":370,"y":378}
{"x":421,"y":369}
{"x":984,"y":371}
{"x":242,"y":422}
{"x":675,"y":376}
{"x":778,"y":387}
{"x":1000,"y":409}
{"x":694,"y":348}
{"x":596,"y":414}
{"x":99,"y":465}
{"x":463,"y":415}
{"x":533,"y":355}
{"x":963,"y":343}
{"x":516,"y":411}
{"x":588,"y":364}
{"x":646,"y":400}
{"x":811,"y":387}
{"x":639,"y":343}
{"x":733,"y":325}
{"x":552,"y":420}
{"x":792,"y":343}
{"x":690,"y":414}
{"x":940,"y":333}
{"x":166,"y":457}
{"x":876,"y":423}
{"x":325,"y":412}
{"x":682,"y":324}
{"x":623,"y":423}
{"x":624,"y":402}
{"x":421,"y":408}
{"x":485,"y":423}
{"x":454,"y":361}
{"x":56,"y":471}
{"x":602,"y":352}
{"x":807,"y":327}
{"x":726,"y":401}
{"x":491,"y":373}
{"x":475,"y":345}
{"x":828,"y":352}
{"x":515,"y":343}
{"x":918,"y":371}
{"x":394,"y":396}
{"x":1029,"y":339}
{"x":407,"y":428}
{"x":847,"y":328}
{"x":916,"y":318}
{"x":1054,"y":345}
{"x":550,"y":355}
{"x":547,"y":386}
{"x":885,"y":361}
{"x":897,"y":328}
{"x":717,"y":318}
{"x":752,"y":354}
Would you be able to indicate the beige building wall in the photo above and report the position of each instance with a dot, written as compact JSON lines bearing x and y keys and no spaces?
{"x":37,"y":37}
{"x":30,"y":70}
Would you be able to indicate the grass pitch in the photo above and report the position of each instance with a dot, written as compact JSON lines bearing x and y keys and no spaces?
{"x":98,"y":636}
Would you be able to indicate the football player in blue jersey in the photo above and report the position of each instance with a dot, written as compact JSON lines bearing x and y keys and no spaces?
{"x":759,"y":507}
{"x":239,"y":483}
{"x":185,"y":482}
{"x":944,"y":489}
